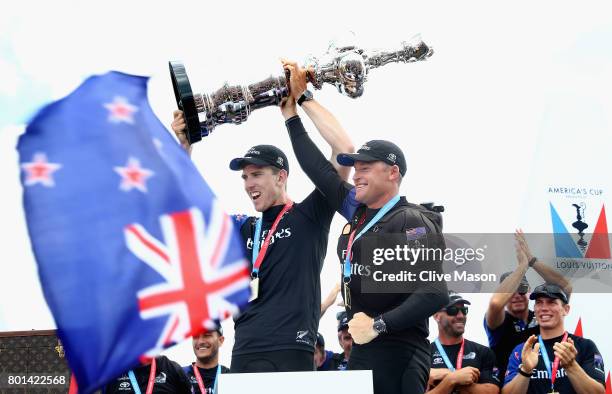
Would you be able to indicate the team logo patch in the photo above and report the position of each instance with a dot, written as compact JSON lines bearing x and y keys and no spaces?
{"x":415,"y":233}
{"x":392,"y":157}
{"x":161,"y":378}
{"x":279,"y":160}
{"x":470,"y":356}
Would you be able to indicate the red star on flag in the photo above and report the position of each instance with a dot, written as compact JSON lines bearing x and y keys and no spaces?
{"x":120,"y":110}
{"x":133,"y":176}
{"x":39,"y":170}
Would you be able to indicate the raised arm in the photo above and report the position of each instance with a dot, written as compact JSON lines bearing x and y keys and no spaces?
{"x":547,"y":273}
{"x":315,"y":165}
{"x":504,"y":292}
{"x":178,"y":126}
{"x":325,"y":122}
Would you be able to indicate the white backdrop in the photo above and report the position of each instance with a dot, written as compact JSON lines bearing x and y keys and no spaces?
{"x":517,"y":97}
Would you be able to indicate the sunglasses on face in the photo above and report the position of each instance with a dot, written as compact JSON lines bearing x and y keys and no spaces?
{"x":453,"y":310}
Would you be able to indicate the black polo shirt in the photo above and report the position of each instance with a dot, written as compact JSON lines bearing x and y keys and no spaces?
{"x":510,"y":333}
{"x":169,"y":378}
{"x":588,"y":358}
{"x":209,"y":375}
{"x":285,"y":315}
{"x":474,"y":355}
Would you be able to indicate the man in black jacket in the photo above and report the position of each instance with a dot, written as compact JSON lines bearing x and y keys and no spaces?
{"x":389,"y":329}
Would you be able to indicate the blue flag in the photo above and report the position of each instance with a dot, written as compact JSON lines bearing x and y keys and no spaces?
{"x":133,"y":251}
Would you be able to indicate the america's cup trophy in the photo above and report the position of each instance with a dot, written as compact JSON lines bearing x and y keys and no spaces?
{"x":346,"y":67}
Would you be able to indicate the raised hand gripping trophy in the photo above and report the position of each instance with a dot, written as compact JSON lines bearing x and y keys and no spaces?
{"x":345,"y":67}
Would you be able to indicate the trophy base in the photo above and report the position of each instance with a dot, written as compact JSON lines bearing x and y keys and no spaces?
{"x":186,"y":102}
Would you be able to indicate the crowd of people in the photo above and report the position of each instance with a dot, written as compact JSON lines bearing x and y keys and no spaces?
{"x":529,"y":351}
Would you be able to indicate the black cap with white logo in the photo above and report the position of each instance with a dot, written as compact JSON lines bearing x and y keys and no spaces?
{"x":261,"y":155}
{"x":376,"y":150}
{"x":456,"y":298}
{"x":549,"y":290}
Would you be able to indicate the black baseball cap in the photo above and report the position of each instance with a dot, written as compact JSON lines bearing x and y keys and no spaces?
{"x":320,"y":340}
{"x":342,"y":321}
{"x":523,"y":286}
{"x":456,"y":298}
{"x":376,"y":150}
{"x":261,"y":155}
{"x":549,"y":290}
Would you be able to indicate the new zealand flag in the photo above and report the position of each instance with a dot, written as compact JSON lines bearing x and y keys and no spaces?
{"x":133,"y":252}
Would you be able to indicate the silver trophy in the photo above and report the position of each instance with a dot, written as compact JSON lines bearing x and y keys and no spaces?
{"x":346,"y":67}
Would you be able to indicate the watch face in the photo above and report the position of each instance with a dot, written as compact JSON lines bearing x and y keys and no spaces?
{"x":379,"y":326}
{"x":306,"y":96}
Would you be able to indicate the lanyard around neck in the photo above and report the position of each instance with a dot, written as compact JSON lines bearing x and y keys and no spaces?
{"x":150,"y":383}
{"x":347,"y":259}
{"x":198,"y":377}
{"x":258,"y":255}
{"x":449,"y":365}
{"x":552,"y":371}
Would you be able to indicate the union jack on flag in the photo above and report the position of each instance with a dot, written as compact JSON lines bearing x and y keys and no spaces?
{"x":196,"y":284}
{"x":134,"y":253}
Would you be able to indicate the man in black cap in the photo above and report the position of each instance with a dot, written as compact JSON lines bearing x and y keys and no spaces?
{"x":287,"y":246}
{"x":457,"y":364}
{"x":555,"y":361}
{"x":204,"y":372}
{"x":389,"y":329}
{"x":330,"y":361}
{"x":508,"y":320}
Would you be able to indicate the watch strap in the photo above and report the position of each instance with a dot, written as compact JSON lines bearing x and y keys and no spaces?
{"x":307,"y":95}
{"x":525,"y":374}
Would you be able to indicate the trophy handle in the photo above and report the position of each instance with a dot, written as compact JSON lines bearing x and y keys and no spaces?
{"x":186,"y":102}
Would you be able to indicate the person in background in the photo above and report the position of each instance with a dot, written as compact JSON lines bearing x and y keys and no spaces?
{"x":204,"y":372}
{"x":457,"y":364}
{"x":508,"y":320}
{"x":554,"y":361}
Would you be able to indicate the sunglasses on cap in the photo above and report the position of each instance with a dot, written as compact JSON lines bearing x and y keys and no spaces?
{"x":453,"y":310}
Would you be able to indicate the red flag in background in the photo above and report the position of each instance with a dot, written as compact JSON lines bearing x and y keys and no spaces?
{"x":73,"y":389}
{"x":578,"y":331}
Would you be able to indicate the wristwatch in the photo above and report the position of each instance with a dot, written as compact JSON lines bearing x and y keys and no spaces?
{"x":379,"y":325}
{"x":532,"y":261}
{"x":525,"y":374}
{"x":306,"y":96}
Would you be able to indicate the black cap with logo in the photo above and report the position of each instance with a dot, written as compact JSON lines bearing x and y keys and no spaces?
{"x":523,"y":285}
{"x":376,"y":150}
{"x":320,"y":340}
{"x":549,"y":290}
{"x":261,"y":155}
{"x":456,"y":298}
{"x":342,"y":321}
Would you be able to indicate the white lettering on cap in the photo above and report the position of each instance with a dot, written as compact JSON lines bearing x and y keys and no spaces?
{"x":364,"y":147}
{"x":279,"y":160}
{"x":392,"y":157}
